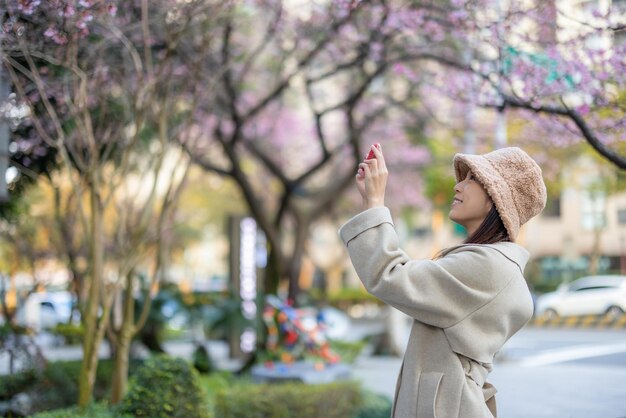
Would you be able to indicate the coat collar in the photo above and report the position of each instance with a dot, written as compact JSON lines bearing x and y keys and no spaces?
{"x":512,"y":251}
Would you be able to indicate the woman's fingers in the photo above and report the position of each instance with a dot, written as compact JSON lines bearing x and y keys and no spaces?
{"x":365,"y":167}
{"x":373,"y":167}
{"x":380,"y":159}
{"x":371,"y":178}
{"x":377,"y":163}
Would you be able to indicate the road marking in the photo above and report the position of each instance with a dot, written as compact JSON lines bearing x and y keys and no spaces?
{"x":561,"y":355}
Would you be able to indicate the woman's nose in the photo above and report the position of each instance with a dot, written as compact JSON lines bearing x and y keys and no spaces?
{"x":458,"y":187}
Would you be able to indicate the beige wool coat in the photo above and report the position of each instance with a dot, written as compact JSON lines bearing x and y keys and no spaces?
{"x":465,"y":306}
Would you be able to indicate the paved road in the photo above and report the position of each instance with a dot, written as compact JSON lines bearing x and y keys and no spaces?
{"x":563,"y":373}
{"x":542,"y":373}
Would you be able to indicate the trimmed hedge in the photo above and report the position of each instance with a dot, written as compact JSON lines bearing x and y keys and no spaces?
{"x":334,"y":400}
{"x":12,"y":384}
{"x":374,"y":406}
{"x":95,"y":410}
{"x":71,"y":333}
{"x":56,"y":386}
{"x":166,"y":387}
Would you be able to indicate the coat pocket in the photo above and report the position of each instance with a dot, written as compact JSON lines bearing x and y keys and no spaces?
{"x":427,"y":390}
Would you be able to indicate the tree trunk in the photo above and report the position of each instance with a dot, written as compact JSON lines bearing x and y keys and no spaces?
{"x":122,"y":348}
{"x":295,"y":262}
{"x":272,"y":273}
{"x":295,"y":265}
{"x":90,"y":321}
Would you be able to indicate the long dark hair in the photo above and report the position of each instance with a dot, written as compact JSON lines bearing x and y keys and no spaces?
{"x":492,"y":230}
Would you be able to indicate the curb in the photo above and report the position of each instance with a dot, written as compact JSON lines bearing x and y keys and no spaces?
{"x":582,"y":321}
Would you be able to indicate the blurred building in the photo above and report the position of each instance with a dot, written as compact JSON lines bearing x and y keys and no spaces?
{"x":584,"y":229}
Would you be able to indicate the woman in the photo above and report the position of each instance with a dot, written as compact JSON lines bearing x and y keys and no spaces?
{"x":468,"y":301}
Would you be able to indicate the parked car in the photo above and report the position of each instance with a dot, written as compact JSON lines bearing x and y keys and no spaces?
{"x":44,"y":310}
{"x":591,"y":295}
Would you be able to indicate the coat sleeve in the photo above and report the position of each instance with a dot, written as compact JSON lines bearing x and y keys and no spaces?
{"x":440,"y":293}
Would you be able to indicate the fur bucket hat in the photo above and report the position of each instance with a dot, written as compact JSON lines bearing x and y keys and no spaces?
{"x":512,"y":179}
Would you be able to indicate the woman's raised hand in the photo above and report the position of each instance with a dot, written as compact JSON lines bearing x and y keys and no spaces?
{"x":371,"y":179}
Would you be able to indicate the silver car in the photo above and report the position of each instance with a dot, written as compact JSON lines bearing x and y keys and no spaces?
{"x":591,"y":295}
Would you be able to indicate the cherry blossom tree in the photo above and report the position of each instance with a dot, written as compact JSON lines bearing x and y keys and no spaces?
{"x":558,"y":67}
{"x":284,"y":98}
{"x":301,"y":99}
{"x":308,"y":87}
{"x":108,"y":97}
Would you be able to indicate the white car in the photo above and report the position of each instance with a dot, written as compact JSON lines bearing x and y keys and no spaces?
{"x":591,"y":295}
{"x":44,"y":310}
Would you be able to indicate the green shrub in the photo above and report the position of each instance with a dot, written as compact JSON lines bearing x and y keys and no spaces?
{"x":71,"y":333}
{"x":95,"y":410}
{"x":8,"y":330}
{"x":58,"y":384}
{"x":12,"y":384}
{"x":165,"y":387}
{"x":374,"y":406}
{"x":202,"y":360}
{"x":217,"y":381}
{"x":333,"y":400}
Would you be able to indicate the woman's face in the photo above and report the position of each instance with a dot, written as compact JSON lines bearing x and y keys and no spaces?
{"x":471,"y":203}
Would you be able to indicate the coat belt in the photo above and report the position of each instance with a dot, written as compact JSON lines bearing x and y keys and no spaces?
{"x":478,"y":373}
